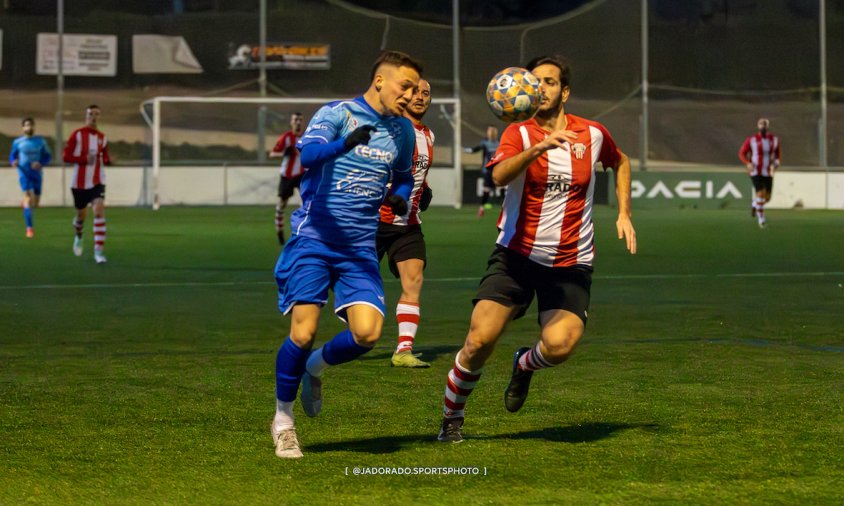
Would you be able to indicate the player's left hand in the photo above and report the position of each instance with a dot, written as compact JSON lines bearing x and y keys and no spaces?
{"x":425,"y":199}
{"x":625,"y":231}
{"x":35,"y":165}
{"x":397,"y":204}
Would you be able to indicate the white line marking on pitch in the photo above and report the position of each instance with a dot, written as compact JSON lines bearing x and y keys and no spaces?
{"x":188,"y":284}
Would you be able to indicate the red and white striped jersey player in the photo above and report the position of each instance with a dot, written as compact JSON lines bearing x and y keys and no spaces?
{"x":545,"y":244}
{"x":400,"y":236}
{"x":87,"y":150}
{"x":291,"y":170}
{"x":760,"y":153}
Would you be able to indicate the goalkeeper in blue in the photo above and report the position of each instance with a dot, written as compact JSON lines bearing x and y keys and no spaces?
{"x":351,"y":149}
{"x":30,"y":154}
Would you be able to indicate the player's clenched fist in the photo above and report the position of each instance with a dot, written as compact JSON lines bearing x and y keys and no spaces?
{"x":359,"y":135}
{"x":397,"y":204}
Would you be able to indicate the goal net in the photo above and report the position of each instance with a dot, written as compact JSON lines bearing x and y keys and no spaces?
{"x":214,"y":150}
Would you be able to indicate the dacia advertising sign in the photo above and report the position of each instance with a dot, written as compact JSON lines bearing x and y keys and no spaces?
{"x":703,"y":190}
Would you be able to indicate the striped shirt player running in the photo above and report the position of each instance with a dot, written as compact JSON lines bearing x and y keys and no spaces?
{"x":400,"y":235}
{"x":87,"y":150}
{"x":29,"y":155}
{"x":351,"y":149}
{"x":291,"y":170}
{"x":760,"y":153}
{"x":545,"y":245}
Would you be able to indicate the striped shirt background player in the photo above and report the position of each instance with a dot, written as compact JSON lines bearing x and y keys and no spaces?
{"x":760,"y":153}
{"x":545,"y":245}
{"x":350,"y":149}
{"x":29,"y":154}
{"x":87,"y":150}
{"x":290,"y":172}
{"x":400,"y":236}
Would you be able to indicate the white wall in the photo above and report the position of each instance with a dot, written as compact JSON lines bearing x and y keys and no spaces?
{"x":208,"y":185}
{"x":806,"y":190}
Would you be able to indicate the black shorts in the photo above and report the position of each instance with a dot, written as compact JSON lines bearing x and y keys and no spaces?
{"x":81,"y":198}
{"x":762,"y":183}
{"x":512,"y":279}
{"x":489,"y":184}
{"x":286,"y":185}
{"x":400,"y":243}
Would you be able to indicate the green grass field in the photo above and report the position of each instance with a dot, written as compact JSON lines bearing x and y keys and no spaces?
{"x":711,"y":372}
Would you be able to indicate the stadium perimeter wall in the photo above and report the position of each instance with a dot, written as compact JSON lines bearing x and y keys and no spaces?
{"x":132,"y":186}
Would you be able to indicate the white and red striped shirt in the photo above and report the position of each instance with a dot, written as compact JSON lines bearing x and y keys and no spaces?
{"x":547,"y":211}
{"x":763,"y":151}
{"x":81,"y":145}
{"x":423,"y":157}
{"x":291,"y":166}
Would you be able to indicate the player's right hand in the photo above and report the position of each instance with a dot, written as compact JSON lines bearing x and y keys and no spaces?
{"x":14,"y":163}
{"x":359,"y":135}
{"x":557,"y":139}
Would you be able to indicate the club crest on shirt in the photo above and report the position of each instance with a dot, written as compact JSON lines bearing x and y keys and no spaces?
{"x":579,"y":149}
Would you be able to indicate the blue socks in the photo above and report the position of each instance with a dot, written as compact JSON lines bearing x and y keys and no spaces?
{"x":289,"y":368}
{"x":342,"y":348}
{"x":291,"y":360}
{"x":27,"y":215}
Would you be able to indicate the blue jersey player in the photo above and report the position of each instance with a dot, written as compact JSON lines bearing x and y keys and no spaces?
{"x":351,"y":150}
{"x":30,"y":154}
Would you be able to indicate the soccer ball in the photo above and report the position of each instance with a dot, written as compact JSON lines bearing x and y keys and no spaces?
{"x":513,"y":94}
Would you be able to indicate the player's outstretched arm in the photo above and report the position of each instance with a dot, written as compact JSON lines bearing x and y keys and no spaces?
{"x":13,"y":156}
{"x":624,"y":224}
{"x":316,"y":152}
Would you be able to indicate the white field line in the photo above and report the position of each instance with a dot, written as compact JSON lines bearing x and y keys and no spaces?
{"x":189,"y":284}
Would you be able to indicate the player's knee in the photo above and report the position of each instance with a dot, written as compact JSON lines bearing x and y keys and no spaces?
{"x":559,"y":347}
{"x":412,"y":280}
{"x":303,"y":336}
{"x":367,"y":332}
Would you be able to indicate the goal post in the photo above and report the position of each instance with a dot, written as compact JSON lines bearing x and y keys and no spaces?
{"x":191,"y":130}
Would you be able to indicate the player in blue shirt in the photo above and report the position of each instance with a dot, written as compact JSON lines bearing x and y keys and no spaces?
{"x":351,"y":150}
{"x":30,"y":154}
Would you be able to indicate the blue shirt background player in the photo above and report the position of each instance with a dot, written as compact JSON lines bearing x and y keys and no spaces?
{"x":351,"y":150}
{"x":30,"y":154}
{"x":25,"y":151}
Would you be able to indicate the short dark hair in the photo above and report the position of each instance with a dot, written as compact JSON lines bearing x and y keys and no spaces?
{"x":397,"y":59}
{"x":28,"y":118}
{"x":297,"y":113}
{"x":556,"y":60}
{"x":93,"y":106}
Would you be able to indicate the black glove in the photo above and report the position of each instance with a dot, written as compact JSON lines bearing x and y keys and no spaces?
{"x":397,"y":204}
{"x":359,"y":135}
{"x":425,"y":199}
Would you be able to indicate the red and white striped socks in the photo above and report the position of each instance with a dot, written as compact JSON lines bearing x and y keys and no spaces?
{"x":407,"y":314}
{"x":99,"y":234}
{"x":459,"y":385}
{"x":533,"y":360}
{"x":759,"y":205}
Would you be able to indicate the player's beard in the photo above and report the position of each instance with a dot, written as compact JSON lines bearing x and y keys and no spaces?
{"x":554,"y":110}
{"x":413,"y":114}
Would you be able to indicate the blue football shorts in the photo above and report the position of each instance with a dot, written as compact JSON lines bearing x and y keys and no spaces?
{"x":308,"y":268}
{"x":30,"y":181}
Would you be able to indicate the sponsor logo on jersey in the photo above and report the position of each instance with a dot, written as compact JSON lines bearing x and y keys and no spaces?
{"x":358,"y":182}
{"x":559,"y":186}
{"x":374,"y":153}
